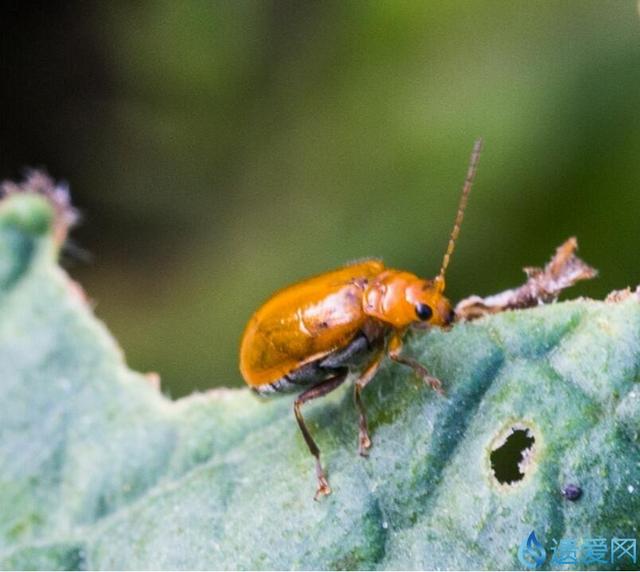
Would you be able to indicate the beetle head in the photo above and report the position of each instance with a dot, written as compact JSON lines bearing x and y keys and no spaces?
{"x":401,"y":298}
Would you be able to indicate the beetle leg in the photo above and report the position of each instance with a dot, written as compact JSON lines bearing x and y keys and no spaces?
{"x":313,"y":393}
{"x":361,"y":383}
{"x":394,"y":349}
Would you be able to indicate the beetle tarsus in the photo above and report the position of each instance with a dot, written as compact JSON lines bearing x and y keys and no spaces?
{"x":419,"y":370}
{"x":364,"y":442}
{"x":323,"y":485}
{"x":434,"y":383}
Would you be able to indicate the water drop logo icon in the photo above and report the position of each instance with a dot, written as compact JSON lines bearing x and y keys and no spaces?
{"x":531,"y":553}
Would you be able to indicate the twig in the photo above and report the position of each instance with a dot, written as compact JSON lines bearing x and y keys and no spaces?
{"x":542,"y":286}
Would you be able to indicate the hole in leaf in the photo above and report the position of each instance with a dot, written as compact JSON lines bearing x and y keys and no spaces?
{"x":508,"y":461}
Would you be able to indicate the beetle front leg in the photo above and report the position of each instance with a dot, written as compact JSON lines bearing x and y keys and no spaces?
{"x":393,"y":351}
{"x":364,"y":442}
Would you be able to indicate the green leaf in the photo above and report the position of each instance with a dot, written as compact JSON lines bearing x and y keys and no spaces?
{"x":99,"y":470}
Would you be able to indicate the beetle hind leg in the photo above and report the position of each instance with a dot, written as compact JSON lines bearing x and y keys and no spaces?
{"x":313,"y":393}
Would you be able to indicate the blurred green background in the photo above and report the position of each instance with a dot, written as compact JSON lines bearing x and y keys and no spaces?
{"x":221,"y":150}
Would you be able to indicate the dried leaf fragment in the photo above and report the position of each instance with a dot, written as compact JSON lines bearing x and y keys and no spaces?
{"x":622,"y":295}
{"x":543,"y":285}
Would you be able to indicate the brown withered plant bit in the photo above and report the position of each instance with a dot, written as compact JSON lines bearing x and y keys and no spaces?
{"x":622,"y":295}
{"x":40,"y":183}
{"x":543,"y":285}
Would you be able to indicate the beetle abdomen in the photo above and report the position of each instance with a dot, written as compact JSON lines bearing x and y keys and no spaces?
{"x":342,"y":360}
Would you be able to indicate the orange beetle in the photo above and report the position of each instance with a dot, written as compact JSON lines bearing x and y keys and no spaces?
{"x":310,"y":336}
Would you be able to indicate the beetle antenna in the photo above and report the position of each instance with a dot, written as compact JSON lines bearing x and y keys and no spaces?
{"x":466,"y":189}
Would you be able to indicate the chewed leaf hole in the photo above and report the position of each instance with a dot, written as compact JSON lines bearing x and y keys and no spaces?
{"x":509,"y":460}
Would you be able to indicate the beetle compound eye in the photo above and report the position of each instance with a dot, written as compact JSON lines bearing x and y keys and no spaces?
{"x":423,"y":311}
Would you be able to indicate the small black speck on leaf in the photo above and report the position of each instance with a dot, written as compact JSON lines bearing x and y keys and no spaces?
{"x":571,"y":492}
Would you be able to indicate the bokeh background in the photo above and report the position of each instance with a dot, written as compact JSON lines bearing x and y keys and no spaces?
{"x":221,"y":150}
